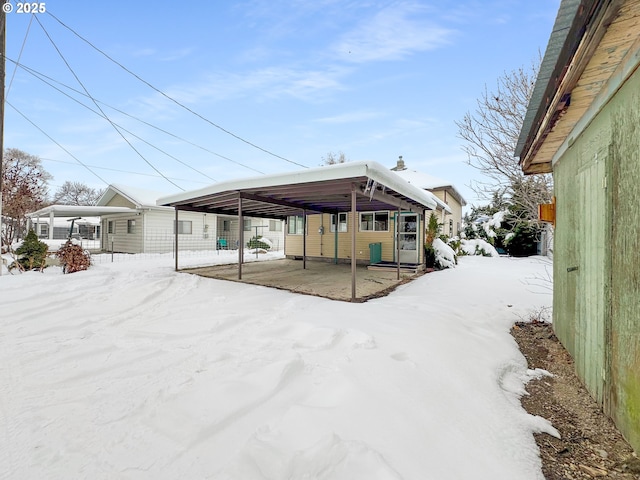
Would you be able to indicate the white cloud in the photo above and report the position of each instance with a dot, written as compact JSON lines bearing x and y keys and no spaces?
{"x":350,"y":117}
{"x":392,"y":34}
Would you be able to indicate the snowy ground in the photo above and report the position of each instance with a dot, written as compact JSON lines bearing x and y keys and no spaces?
{"x":133,"y":371}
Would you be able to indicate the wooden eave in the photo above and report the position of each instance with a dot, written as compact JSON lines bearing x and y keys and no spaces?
{"x":613,"y":32}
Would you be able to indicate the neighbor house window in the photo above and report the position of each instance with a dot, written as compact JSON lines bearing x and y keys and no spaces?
{"x":247,"y":225}
{"x":451,"y":227}
{"x":184,"y":227}
{"x":111,"y":226}
{"x":275,"y":225}
{"x":374,"y":222}
{"x":226,"y":225}
{"x":131,"y":226}
{"x":296,"y":225}
{"x":341,"y":220}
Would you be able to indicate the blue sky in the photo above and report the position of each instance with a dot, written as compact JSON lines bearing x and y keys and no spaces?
{"x":298,"y":79}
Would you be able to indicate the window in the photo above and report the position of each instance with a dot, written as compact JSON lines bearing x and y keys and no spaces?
{"x":296,"y":225}
{"x":226,"y":225}
{"x":374,"y":222}
{"x":111,"y":226}
{"x":247,"y":225}
{"x":275,"y":225}
{"x":184,"y":227}
{"x":451,"y":227}
{"x":131,"y":226}
{"x":342,"y":222}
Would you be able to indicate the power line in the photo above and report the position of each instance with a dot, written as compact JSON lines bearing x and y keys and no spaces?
{"x":99,"y":108}
{"x":171,"y":98}
{"x":51,"y":138}
{"x":124,"y":129}
{"x":24,"y":42}
{"x":123,"y":171}
{"x":49,"y":81}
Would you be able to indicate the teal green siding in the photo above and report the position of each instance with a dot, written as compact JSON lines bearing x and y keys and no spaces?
{"x":597,"y":257}
{"x":580,"y":255}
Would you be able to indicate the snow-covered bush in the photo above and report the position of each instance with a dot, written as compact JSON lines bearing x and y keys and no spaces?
{"x":445,"y":256}
{"x":478,"y":246}
{"x":73,"y":258}
{"x":259,"y":242}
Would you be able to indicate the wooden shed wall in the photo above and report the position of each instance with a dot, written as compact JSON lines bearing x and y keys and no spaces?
{"x":625,"y":262}
{"x":597,"y":259}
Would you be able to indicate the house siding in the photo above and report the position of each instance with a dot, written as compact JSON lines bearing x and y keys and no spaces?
{"x":455,"y":215}
{"x":596,"y":263}
{"x":324,"y":246}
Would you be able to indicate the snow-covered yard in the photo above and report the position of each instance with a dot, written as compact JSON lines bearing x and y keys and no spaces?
{"x":133,"y":371}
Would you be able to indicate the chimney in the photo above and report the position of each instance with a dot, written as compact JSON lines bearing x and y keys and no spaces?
{"x":400,"y":166}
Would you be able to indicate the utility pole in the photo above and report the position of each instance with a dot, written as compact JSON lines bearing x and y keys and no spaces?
{"x":3,"y":38}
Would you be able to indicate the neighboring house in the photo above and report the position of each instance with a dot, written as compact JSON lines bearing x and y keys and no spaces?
{"x":328,"y":237}
{"x":583,"y":125}
{"x":445,"y":191}
{"x":149,"y":228}
{"x":87,"y":228}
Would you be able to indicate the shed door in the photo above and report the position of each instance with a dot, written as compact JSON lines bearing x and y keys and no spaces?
{"x":409,"y":238}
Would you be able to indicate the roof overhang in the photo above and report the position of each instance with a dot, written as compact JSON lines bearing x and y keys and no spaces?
{"x":590,"y":53}
{"x":318,"y":190}
{"x":78,"y":211}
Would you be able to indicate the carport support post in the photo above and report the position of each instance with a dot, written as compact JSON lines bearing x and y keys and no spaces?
{"x":240,"y":237}
{"x":175,"y":230}
{"x":51,"y":216}
{"x":353,"y":242}
{"x":398,"y":244}
{"x":304,"y":239}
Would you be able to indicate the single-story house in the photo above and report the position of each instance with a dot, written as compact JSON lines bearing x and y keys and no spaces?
{"x":583,"y":125}
{"x":451,"y":218}
{"x":127,"y":220}
{"x":149,"y":228}
{"x":321,"y":206}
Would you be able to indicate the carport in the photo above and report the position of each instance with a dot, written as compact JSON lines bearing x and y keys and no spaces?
{"x":348,"y":187}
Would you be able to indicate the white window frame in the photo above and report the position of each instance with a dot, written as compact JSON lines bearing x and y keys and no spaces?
{"x":374,"y":221}
{"x":295,"y":224}
{"x":275,"y":225}
{"x":181,"y":227}
{"x":343,"y":225}
{"x":131,"y":226}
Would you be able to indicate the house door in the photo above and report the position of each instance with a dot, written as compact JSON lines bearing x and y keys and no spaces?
{"x":408,"y":237}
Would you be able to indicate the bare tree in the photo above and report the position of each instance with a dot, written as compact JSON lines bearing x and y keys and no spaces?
{"x":24,"y":189}
{"x":334,"y":158}
{"x":76,"y":193}
{"x":491,"y":134}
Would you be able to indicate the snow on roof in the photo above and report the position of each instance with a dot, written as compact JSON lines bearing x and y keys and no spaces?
{"x":77,"y":211}
{"x":370,"y":169}
{"x":428,"y":182}
{"x":140,"y":197}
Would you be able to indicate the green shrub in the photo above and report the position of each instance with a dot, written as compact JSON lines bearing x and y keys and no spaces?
{"x":257,"y":242}
{"x":32,"y":254}
{"x":429,"y":256}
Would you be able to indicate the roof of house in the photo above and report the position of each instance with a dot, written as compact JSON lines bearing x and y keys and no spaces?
{"x":77,"y":211}
{"x":591,"y":51}
{"x":430,"y":182}
{"x":140,"y":197}
{"x":320,"y":190}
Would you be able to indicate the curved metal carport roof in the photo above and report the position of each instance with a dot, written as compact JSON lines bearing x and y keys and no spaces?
{"x":356,"y":186}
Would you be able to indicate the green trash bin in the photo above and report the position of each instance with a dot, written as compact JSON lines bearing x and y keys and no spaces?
{"x":375,"y":253}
